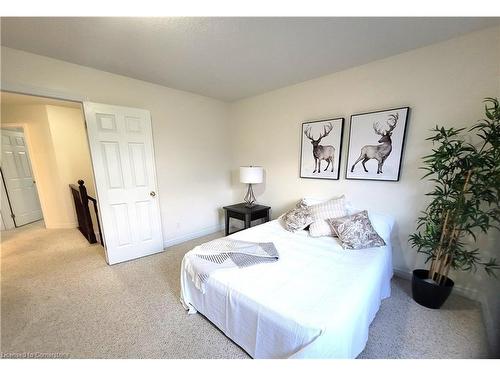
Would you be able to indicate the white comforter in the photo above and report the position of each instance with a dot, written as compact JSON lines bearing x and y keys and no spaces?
{"x":317,"y":301}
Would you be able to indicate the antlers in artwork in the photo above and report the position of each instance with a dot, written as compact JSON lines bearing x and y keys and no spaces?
{"x":326,"y":130}
{"x":321,"y":152}
{"x":383,"y":150}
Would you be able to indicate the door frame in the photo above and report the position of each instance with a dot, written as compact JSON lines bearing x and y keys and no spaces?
{"x":45,"y":92}
{"x":8,"y":221}
{"x":15,"y":88}
{"x":51,"y":94}
{"x":22,"y":89}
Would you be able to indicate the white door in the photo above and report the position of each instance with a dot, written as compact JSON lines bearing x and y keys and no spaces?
{"x":18,"y":177}
{"x":121,"y":146}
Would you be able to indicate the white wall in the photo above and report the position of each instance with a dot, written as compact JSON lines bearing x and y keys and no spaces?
{"x":72,"y":154}
{"x":443,"y":84}
{"x":67,"y":127}
{"x":190,"y":136}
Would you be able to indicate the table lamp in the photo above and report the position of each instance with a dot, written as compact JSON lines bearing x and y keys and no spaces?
{"x":251,"y":175}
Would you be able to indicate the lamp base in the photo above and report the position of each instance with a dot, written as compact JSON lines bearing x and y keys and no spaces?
{"x":249,"y":197}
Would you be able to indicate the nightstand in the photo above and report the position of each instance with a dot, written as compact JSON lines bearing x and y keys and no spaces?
{"x":246,"y":214}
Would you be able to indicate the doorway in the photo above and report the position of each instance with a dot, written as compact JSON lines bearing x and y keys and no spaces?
{"x":112,"y":146}
{"x":18,"y":182}
{"x":44,"y":154}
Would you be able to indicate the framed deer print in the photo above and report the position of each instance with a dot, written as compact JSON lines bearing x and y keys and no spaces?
{"x":376,"y":141}
{"x":321,"y":149}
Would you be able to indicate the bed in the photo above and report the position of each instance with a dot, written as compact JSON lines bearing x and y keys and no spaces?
{"x":316,"y":301}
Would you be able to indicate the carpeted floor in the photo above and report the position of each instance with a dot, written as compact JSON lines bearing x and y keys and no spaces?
{"x":59,"y":296}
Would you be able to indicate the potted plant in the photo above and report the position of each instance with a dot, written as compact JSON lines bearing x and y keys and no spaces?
{"x":465,"y":201}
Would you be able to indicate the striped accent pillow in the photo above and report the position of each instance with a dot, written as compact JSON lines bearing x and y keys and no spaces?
{"x":330,"y":209}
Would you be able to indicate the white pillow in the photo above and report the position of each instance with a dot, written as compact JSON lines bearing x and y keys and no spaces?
{"x":383,"y":224}
{"x":330,"y":209}
{"x":309,"y":201}
{"x":321,"y":228}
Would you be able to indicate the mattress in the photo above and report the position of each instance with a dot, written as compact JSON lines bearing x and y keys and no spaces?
{"x":316,"y":301}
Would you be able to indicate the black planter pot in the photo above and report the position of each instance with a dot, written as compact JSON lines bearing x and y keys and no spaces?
{"x":428,"y":294}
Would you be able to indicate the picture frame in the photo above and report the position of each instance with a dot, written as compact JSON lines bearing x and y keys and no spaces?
{"x":321,"y":149}
{"x":376,"y":144}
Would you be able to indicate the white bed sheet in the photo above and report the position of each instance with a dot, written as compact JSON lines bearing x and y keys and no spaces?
{"x":316,"y":301}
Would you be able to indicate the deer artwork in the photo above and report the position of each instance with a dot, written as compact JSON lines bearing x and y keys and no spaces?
{"x":382,"y":151}
{"x":321,"y":152}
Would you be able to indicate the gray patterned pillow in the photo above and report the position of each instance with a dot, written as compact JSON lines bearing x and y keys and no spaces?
{"x":356,"y":231}
{"x":297,"y":218}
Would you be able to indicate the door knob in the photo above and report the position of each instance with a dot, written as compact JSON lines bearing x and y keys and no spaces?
{"x":152,"y":194}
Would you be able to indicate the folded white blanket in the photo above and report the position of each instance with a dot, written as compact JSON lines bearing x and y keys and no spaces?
{"x":203,"y":260}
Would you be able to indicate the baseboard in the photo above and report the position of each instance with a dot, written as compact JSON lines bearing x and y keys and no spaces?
{"x":460,"y":290}
{"x":488,"y":320}
{"x":193,"y":235}
{"x":61,"y":226}
{"x":492,"y":328}
{"x":404,"y":274}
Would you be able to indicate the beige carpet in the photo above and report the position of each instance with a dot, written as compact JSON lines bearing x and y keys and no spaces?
{"x":59,"y":296}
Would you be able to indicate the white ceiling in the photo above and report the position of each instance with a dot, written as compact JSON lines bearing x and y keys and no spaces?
{"x":228,"y":58}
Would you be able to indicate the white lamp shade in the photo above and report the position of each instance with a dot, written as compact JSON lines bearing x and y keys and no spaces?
{"x":251,"y":175}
